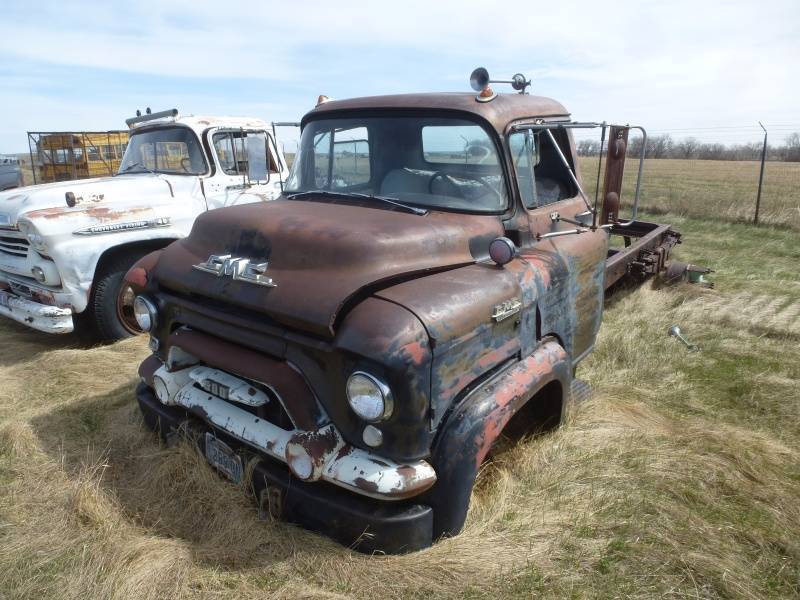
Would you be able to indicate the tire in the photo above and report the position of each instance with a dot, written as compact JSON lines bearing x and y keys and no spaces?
{"x":103,"y":320}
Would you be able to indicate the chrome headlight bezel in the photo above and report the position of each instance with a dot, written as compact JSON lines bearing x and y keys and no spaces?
{"x":369,"y":397}
{"x":145,"y":312}
{"x":33,"y":236}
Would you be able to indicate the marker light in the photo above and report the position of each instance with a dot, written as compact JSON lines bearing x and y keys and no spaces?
{"x":502,"y":250}
{"x":486,"y":94}
{"x":372,"y":436}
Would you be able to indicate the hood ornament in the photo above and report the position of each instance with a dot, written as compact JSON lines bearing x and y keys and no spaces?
{"x":239,"y":269}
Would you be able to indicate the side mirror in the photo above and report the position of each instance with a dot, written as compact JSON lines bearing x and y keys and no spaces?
{"x":257,"y":157}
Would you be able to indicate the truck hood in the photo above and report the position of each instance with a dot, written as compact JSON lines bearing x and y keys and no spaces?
{"x":321,"y":257}
{"x":48,"y":200}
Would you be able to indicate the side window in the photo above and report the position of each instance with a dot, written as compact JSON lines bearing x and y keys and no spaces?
{"x":462,"y":145}
{"x":525,"y":155}
{"x":243,"y":153}
{"x":223,"y":146}
{"x":350,"y":157}
{"x":541,"y":176}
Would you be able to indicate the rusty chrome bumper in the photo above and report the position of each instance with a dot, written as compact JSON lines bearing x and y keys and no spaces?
{"x":320,"y":455}
{"x":49,"y":319}
{"x":364,"y":524}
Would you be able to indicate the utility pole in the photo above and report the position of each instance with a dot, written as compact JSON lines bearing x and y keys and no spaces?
{"x":761,"y":175}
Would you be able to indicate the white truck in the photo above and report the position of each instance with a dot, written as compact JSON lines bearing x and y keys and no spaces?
{"x":10,"y":173}
{"x":65,"y":247}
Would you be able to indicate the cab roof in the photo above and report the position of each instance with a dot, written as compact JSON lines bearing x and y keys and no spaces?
{"x":201,"y":122}
{"x":499,"y":112}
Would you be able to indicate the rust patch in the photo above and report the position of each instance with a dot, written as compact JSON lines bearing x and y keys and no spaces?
{"x":365,"y":484}
{"x":137,"y":276}
{"x":318,"y":443}
{"x":517,"y":386}
{"x":344,"y":451}
{"x":101,"y":213}
{"x":416,"y":351}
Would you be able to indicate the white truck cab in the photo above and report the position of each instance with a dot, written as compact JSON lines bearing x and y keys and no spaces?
{"x":65,"y":247}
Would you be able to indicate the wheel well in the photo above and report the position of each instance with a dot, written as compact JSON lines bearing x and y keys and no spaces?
{"x":133,"y":249}
{"x":540,"y":414}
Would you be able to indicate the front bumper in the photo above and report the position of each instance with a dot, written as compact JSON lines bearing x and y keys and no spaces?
{"x":49,"y":319}
{"x":364,"y":523}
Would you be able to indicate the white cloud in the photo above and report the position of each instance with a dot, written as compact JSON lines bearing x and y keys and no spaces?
{"x":665,"y":64}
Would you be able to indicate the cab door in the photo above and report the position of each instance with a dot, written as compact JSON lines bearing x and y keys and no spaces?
{"x":568,"y":270}
{"x":247,"y":168}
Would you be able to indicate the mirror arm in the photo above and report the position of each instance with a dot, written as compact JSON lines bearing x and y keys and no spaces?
{"x":278,"y":156}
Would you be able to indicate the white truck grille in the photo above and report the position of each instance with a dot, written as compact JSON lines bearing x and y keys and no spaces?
{"x":13,"y":243}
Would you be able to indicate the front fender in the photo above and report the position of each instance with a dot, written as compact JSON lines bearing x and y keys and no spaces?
{"x":76,"y":255}
{"x":472,"y":428}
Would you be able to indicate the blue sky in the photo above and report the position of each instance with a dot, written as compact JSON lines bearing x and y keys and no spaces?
{"x":669,"y":66}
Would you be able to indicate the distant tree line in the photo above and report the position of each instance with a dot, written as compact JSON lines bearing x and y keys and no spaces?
{"x":663,"y":146}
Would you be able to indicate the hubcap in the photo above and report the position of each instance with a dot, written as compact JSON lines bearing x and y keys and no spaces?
{"x":125,"y":309}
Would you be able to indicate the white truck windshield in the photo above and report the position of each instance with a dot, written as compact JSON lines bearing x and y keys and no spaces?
{"x":174,"y":150}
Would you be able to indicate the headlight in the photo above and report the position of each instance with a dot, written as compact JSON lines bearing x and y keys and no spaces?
{"x":39,"y":274}
{"x":369,"y":397}
{"x":33,"y":236}
{"x":145,"y":312}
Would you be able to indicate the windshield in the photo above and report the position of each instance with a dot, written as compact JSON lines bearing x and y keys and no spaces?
{"x":439,"y":163}
{"x":166,"y":150}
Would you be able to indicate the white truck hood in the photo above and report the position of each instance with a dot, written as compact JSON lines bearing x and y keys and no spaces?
{"x":91,"y":195}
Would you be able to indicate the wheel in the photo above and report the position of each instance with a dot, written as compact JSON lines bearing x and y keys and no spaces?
{"x":109,"y":315}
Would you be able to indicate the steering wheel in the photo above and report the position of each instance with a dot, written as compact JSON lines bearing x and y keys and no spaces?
{"x":184,"y":162}
{"x":478,"y":151}
{"x":469,"y":176}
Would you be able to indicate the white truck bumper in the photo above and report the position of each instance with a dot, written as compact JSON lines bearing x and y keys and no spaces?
{"x":49,"y":319}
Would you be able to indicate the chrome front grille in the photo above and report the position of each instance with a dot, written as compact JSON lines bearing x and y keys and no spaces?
{"x":13,"y":243}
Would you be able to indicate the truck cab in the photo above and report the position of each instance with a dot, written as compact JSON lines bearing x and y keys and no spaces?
{"x":10,"y":173}
{"x":430,"y":278}
{"x":65,"y":247}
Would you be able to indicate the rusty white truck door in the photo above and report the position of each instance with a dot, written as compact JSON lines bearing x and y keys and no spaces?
{"x":246,"y":168}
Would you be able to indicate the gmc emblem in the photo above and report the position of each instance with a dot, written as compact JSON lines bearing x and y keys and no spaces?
{"x":240,"y":269}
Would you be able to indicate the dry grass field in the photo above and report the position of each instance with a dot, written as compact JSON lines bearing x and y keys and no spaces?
{"x":679,"y":478}
{"x":718,"y":189}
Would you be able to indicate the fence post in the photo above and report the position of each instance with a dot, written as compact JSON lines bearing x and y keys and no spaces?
{"x":761,"y":175}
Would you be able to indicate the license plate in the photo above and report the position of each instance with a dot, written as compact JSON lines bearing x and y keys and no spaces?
{"x":222,"y":458}
{"x":3,"y":299}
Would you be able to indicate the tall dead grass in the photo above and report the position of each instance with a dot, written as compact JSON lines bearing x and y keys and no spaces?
{"x":681,"y":477}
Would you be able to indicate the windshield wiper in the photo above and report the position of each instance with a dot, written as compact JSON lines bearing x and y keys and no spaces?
{"x":136,"y":164}
{"x":392,"y":201}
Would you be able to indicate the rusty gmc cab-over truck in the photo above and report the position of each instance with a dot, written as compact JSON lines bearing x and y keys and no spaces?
{"x":428,"y":281}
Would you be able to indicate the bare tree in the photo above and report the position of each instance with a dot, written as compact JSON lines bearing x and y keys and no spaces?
{"x":659,"y":146}
{"x":686,"y":148}
{"x":792,"y":148}
{"x":588,"y":148}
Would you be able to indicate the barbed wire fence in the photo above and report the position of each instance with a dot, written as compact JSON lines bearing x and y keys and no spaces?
{"x":713,"y":172}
